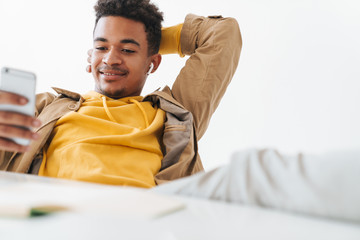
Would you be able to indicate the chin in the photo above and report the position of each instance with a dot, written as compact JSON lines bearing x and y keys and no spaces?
{"x":111,"y":92}
{"x":116,"y":94}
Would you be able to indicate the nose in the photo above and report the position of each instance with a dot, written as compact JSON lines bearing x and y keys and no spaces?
{"x":112,"y":58}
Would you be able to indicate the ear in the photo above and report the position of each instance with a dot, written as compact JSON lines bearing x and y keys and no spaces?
{"x":88,"y":68}
{"x":156,"y":60}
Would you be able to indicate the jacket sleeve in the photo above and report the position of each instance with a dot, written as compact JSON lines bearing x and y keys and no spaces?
{"x":214,"y":45}
{"x":42,"y":100}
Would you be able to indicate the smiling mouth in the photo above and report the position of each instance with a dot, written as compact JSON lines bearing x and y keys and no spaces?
{"x":113,"y":75}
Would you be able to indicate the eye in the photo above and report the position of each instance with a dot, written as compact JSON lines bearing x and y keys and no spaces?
{"x":127,"y":51}
{"x":101,"y":48}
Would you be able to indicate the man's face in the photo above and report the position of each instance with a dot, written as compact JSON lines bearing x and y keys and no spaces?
{"x":120,"y":58}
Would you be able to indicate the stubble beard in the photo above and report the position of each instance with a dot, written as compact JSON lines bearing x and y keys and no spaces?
{"x":116,"y":94}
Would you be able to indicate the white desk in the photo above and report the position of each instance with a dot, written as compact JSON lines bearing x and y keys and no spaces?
{"x":200,"y":219}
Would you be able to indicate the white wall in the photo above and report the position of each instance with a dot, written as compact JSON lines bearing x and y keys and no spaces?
{"x":296,"y":89}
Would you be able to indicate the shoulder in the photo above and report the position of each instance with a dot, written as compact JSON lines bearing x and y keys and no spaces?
{"x":45,"y":99}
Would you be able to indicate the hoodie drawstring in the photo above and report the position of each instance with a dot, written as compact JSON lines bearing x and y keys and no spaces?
{"x":107,"y":110}
{"x":142,"y":111}
{"x":131,"y":100}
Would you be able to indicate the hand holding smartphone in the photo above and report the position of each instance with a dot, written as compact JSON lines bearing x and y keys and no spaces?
{"x":17,"y":107}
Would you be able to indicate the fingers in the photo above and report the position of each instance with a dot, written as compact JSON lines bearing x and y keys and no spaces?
{"x":15,"y":125}
{"x":12,"y":98}
{"x":7,"y":131}
{"x":11,"y":146}
{"x":17,"y":119}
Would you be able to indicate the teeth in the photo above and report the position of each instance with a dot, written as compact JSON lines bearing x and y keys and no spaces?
{"x":109,"y":74}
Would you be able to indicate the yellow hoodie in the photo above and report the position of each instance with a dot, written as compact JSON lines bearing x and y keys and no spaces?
{"x":107,"y":141}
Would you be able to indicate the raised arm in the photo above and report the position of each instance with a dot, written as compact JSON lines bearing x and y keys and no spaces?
{"x":214,"y":45}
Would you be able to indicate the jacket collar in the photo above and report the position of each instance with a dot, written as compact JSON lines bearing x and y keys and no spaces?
{"x":73,"y":95}
{"x":166,"y":94}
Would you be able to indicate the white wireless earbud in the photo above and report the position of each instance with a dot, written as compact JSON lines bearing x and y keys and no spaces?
{"x":150,"y":69}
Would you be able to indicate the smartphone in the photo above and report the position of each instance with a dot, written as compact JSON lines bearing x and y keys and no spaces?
{"x":22,"y":83}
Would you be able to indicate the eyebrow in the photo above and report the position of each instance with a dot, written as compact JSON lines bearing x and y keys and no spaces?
{"x":126,"y":40}
{"x":129,"y":40}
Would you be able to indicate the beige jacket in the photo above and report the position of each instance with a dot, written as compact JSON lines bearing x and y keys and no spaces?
{"x":214,"y":45}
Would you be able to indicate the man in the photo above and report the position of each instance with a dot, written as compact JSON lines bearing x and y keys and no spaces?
{"x":113,"y":135}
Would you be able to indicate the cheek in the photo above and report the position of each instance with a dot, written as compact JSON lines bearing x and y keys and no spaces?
{"x":138,"y":66}
{"x":96,"y":59}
